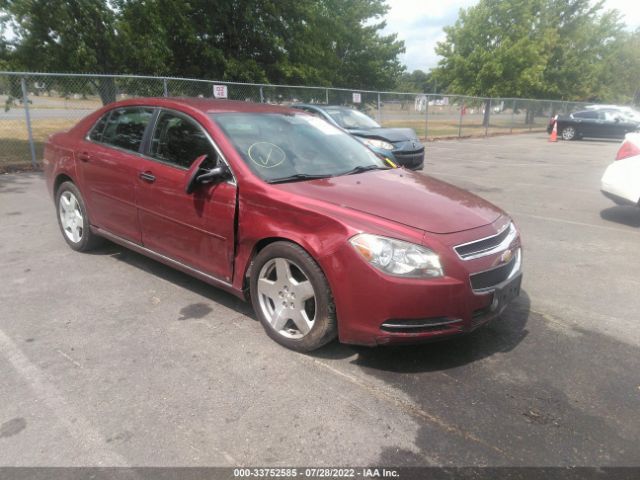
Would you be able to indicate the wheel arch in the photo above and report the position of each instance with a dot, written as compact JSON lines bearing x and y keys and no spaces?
{"x":60,"y":179}
{"x":257,"y":248}
{"x":262,"y":243}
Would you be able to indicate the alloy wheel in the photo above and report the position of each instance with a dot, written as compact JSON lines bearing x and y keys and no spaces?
{"x":71,"y":217}
{"x":568,"y":133}
{"x":286,"y":298}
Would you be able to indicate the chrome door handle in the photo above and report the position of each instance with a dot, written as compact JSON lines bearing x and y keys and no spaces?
{"x":147,"y":177}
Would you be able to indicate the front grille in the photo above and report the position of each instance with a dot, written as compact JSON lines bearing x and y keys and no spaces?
{"x":487,"y":246}
{"x":490,"y":278}
{"x":410,"y":158}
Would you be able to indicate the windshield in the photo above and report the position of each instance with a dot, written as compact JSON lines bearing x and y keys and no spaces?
{"x":281,"y":147}
{"x":349,"y":118}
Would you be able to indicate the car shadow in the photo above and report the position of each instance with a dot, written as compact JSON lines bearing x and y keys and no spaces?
{"x":622,"y":214}
{"x":501,"y":335}
{"x":174,"y":276}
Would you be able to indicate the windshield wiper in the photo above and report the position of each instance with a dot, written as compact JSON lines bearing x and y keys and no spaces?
{"x":364,"y":168}
{"x":298,"y":177}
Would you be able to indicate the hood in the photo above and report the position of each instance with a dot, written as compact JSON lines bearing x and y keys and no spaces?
{"x":404,"y":197}
{"x":389,"y":134}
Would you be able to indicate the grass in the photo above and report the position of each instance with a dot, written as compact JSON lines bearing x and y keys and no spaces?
{"x":442,"y":129}
{"x":14,"y":139}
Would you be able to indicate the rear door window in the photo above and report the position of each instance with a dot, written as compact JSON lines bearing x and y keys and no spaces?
{"x":588,"y":115}
{"x":125,"y":127}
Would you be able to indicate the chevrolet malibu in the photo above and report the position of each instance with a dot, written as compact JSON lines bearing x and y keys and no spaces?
{"x":281,"y":208}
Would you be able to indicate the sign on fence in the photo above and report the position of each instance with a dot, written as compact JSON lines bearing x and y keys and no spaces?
{"x":220,"y":91}
{"x":357,"y":97}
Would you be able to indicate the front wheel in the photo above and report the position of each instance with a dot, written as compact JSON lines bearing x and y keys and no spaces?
{"x":73,"y":219}
{"x":292,"y":298}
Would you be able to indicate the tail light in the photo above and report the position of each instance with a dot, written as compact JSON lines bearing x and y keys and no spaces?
{"x":627,"y":149}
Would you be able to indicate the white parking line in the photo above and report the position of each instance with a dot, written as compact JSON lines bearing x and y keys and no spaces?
{"x":80,"y":429}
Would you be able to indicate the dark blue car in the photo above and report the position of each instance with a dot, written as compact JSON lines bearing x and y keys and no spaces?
{"x":403,"y":143}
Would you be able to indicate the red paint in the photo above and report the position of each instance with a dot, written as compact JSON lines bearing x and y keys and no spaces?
{"x":320,"y":215}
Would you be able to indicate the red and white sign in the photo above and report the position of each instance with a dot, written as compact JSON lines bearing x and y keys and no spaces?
{"x":357,"y":98}
{"x":220,"y":91}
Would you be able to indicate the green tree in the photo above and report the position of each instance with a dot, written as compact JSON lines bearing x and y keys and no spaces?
{"x":66,"y":35}
{"x":417,"y":81}
{"x":564,"y":49}
{"x":324,"y":42}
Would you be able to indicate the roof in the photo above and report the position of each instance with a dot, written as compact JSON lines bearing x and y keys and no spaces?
{"x":208,"y":105}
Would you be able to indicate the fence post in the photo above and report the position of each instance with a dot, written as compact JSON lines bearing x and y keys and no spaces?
{"x":165,"y":87}
{"x":261,"y":95}
{"x":326,"y":94}
{"x":25,"y":102}
{"x":379,"y":112}
{"x":486,"y":127}
{"x":460,"y":121}
{"x":513,"y":111}
{"x":426,"y":120}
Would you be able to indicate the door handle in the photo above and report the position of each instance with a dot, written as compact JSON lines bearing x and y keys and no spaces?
{"x":84,"y":157}
{"x":147,"y":177}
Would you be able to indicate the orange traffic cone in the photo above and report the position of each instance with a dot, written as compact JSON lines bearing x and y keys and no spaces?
{"x":554,"y":131}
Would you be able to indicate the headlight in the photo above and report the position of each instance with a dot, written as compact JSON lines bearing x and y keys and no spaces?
{"x":374,"y":142}
{"x":396,"y":257}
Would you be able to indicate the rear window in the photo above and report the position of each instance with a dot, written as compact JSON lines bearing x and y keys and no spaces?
{"x":124,"y":128}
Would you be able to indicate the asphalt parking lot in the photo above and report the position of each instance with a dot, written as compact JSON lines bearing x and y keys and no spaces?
{"x":112,"y":359}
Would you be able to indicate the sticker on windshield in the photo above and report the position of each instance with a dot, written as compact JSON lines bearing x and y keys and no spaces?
{"x":266,"y":155}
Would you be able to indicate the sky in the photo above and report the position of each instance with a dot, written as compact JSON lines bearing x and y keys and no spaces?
{"x":419,"y":23}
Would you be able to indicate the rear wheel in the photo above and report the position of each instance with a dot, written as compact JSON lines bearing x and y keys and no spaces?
{"x":568,"y":133}
{"x":73,"y":219}
{"x":292,"y":298}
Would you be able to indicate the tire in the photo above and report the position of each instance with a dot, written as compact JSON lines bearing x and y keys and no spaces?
{"x":568,"y":133}
{"x":73,"y":219}
{"x":292,"y":298}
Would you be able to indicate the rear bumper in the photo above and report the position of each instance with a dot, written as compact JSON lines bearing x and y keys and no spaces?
{"x":618,"y":200}
{"x":620,"y":181}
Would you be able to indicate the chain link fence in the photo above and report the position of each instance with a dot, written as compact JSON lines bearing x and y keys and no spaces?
{"x":39,"y":104}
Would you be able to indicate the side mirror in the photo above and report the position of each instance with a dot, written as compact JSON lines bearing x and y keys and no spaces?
{"x":199,"y":176}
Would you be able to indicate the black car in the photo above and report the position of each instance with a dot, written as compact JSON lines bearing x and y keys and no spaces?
{"x":593,"y":123}
{"x":403,"y":143}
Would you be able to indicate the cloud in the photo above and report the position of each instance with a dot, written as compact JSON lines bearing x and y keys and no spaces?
{"x":420,"y":24}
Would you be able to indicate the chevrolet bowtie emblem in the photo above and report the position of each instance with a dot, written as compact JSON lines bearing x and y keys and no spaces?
{"x":506,"y":256}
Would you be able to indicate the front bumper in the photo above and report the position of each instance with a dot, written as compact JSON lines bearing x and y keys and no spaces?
{"x":378,"y":309}
{"x":413,"y":159}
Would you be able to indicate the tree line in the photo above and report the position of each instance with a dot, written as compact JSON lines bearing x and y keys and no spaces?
{"x":307,"y":42}
{"x":553,"y":49}
{"x":548,"y":49}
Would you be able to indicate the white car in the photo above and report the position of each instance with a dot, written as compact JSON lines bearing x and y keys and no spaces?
{"x":621,"y":179}
{"x":627,"y":112}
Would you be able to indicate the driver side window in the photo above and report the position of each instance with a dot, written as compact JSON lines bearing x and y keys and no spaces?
{"x":178,"y":141}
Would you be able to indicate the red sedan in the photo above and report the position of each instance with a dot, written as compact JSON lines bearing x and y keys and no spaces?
{"x":276,"y":205}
